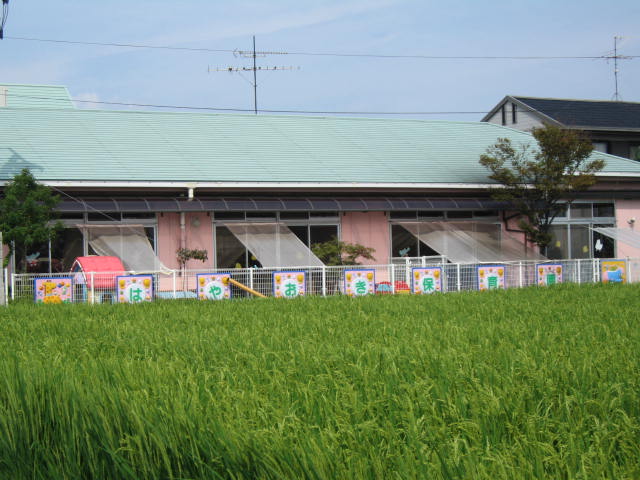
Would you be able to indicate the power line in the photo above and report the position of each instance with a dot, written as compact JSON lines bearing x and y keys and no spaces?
{"x":328,"y":54}
{"x":223,"y":109}
{"x":246,"y":110}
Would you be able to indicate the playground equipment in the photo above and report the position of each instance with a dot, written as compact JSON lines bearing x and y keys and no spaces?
{"x":95,"y":277}
{"x":245,"y":288}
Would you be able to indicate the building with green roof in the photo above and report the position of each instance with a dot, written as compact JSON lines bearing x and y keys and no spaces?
{"x":232,"y":184}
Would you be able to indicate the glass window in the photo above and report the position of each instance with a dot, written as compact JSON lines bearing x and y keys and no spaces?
{"x":230,"y":252}
{"x":403,"y":242}
{"x":65,"y":248}
{"x":261,"y":214}
{"x":103,"y":217}
{"x":323,"y":214}
{"x":431,"y":214}
{"x":559,"y":245}
{"x":580,"y":241}
{"x":601,"y":147}
{"x":514,"y":113}
{"x":459,"y":214}
{"x":294,"y":215}
{"x":322,"y":233}
{"x":403,"y":215}
{"x":603,"y":210}
{"x":138,"y":216}
{"x":634,"y":153}
{"x":72,"y":216}
{"x":485,"y":213}
{"x":603,"y":246}
{"x":229,"y":215}
{"x":300,"y":231}
{"x":581,"y":210}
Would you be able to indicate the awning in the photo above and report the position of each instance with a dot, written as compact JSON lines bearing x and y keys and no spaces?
{"x":624,"y":235}
{"x":274,"y":245}
{"x":273,"y":204}
{"x":471,"y":242}
{"x":127,"y":242}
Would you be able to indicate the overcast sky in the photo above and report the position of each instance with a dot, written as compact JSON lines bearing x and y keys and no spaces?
{"x":325,"y":83}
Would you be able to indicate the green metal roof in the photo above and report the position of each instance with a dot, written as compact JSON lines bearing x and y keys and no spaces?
{"x":36,"y":96}
{"x":94,"y":145}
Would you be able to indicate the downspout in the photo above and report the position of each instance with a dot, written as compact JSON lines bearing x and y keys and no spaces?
{"x":183,"y":228}
{"x":183,"y":231}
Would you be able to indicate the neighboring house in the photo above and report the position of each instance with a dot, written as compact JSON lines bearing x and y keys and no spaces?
{"x":258,"y":190}
{"x":614,"y":126}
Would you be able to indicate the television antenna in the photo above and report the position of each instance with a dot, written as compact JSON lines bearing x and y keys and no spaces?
{"x":255,"y":69}
{"x":616,"y":57}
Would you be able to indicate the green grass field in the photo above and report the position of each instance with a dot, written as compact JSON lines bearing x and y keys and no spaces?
{"x":532,"y":383}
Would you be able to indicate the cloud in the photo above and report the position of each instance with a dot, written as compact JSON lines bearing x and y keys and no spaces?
{"x":276,"y":21}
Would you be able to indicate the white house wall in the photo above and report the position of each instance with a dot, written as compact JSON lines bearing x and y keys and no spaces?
{"x":524,"y":120}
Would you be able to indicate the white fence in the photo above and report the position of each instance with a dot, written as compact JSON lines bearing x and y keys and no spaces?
{"x":96,"y":287}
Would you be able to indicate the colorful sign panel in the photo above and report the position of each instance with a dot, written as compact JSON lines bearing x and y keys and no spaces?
{"x":613,"y":271}
{"x":134,"y":288}
{"x":289,"y":284}
{"x":491,"y":277}
{"x":213,"y":286}
{"x":426,"y":280}
{"x":548,"y":274}
{"x":359,"y":282}
{"x":53,"y":290}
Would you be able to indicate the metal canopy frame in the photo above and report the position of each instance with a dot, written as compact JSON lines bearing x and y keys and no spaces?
{"x":280,"y":204}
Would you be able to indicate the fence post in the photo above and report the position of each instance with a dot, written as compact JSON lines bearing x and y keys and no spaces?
{"x":393,"y":280}
{"x":5,"y":274}
{"x":251,"y":278}
{"x":93,"y":284}
{"x":520,"y":274}
{"x":595,"y":270}
{"x":579,"y":272}
{"x":628,"y":263}
{"x":13,"y":286}
{"x":324,"y":280}
{"x":458,"y":275}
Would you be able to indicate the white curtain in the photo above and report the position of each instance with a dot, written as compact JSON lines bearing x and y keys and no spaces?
{"x":274,"y":245}
{"x":127,"y":242}
{"x":471,"y":242}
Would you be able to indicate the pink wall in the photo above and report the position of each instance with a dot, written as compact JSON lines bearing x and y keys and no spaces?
{"x":198,"y":234}
{"x":626,"y":210}
{"x":370,"y":229}
{"x":520,"y":237}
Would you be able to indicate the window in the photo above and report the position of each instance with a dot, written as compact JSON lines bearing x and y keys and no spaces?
{"x":634,"y":153}
{"x":406,"y":244}
{"x":559,"y":245}
{"x":514,"y":110}
{"x":581,"y":210}
{"x":573,"y":237}
{"x":503,"y":112}
{"x":601,"y":147}
{"x":310,"y":229}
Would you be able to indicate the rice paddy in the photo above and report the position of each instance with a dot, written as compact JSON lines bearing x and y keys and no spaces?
{"x":529,"y":383}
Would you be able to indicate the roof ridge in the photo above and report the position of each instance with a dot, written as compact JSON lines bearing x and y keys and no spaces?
{"x":521,"y":97}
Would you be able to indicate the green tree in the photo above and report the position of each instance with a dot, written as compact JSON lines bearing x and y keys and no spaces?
{"x":540,"y":181}
{"x":336,"y":252}
{"x":27,"y":214}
